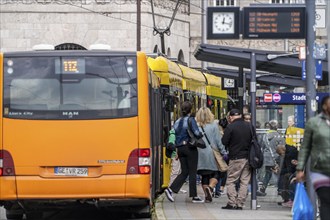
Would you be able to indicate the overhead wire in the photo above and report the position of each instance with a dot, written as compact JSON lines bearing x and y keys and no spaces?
{"x":109,"y":16}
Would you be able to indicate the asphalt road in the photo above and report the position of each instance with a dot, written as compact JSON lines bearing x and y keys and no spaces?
{"x":82,"y":215}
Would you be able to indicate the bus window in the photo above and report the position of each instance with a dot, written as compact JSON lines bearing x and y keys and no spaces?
{"x":84,"y":87}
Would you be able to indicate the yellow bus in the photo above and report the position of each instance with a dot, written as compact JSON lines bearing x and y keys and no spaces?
{"x":216,"y":97}
{"x":171,"y":78}
{"x":79,"y":128}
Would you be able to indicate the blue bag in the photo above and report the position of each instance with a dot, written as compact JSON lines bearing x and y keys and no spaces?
{"x":302,"y":207}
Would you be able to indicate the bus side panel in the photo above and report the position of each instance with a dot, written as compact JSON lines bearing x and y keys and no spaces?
{"x":143,"y":103}
{"x":138,"y":186}
{"x":8,"y":188}
{"x":1,"y":128}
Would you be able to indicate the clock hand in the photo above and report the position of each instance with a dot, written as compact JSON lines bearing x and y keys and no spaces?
{"x":223,"y":21}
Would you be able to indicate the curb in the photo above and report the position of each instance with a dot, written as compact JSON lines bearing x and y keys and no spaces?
{"x":159,"y":211}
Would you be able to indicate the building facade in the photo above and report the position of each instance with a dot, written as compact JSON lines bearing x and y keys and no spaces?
{"x":25,"y":23}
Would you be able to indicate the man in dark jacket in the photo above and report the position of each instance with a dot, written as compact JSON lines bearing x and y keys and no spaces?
{"x":237,"y":138}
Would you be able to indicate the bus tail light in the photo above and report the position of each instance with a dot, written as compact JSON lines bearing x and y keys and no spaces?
{"x":139,"y":162}
{"x":6,"y":164}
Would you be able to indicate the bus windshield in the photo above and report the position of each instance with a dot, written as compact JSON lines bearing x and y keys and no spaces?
{"x":77,"y":87}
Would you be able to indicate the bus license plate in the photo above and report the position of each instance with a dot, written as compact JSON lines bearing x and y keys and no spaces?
{"x":71,"y":171}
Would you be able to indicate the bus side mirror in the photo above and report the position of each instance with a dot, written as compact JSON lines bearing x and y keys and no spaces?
{"x":169,"y":103}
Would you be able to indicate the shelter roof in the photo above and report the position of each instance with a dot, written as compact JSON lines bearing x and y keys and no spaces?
{"x":288,"y":65}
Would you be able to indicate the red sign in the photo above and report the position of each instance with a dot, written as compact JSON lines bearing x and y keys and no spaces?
{"x":268,"y":97}
{"x":276,"y":97}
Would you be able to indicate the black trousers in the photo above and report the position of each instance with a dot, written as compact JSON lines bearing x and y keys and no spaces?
{"x":188,"y":157}
{"x":323,"y":194}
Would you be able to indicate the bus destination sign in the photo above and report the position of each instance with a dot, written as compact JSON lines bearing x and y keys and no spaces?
{"x":274,"y":22}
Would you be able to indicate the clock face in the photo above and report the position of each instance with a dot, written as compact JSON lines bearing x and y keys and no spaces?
{"x":223,"y":23}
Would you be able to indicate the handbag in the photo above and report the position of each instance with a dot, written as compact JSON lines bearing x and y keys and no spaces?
{"x":221,"y":163}
{"x":302,"y":208}
{"x":195,"y":142}
{"x":256,"y":157}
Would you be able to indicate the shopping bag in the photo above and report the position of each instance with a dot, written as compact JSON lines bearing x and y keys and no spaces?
{"x":302,"y":207}
{"x":221,"y":163}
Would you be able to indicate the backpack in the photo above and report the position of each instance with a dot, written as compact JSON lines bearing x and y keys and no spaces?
{"x":170,"y":145}
{"x":256,"y":156}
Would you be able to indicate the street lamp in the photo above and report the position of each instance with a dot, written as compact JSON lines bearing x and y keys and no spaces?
{"x":274,"y":56}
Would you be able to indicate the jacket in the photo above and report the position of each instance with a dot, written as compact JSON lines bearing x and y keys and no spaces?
{"x":270,"y":142}
{"x":316,"y":144}
{"x":237,"y":139}
{"x":180,"y":126}
{"x":206,"y":160}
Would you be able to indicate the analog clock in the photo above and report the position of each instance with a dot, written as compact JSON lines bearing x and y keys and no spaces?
{"x":223,"y":23}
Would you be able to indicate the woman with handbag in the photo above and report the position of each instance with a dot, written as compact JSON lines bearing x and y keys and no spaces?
{"x":187,"y":154}
{"x":207,"y":164}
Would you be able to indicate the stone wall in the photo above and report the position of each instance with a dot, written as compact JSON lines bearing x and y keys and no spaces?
{"x":25,"y":23}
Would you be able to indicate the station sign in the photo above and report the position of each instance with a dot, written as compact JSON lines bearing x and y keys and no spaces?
{"x":287,"y":98}
{"x":274,"y":22}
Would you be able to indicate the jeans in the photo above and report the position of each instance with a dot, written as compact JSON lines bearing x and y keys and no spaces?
{"x":188,"y":157}
{"x":323,"y":194}
{"x":267,"y":177}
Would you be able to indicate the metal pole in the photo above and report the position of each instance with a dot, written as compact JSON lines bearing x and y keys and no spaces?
{"x":240,"y":89}
{"x":328,"y":31}
{"x":204,"y":26}
{"x":244,"y":89}
{"x":310,"y":84}
{"x":253,"y":121}
{"x":138,"y":25}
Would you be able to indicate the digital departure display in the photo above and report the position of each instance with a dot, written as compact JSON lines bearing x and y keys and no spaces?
{"x":274,"y":22}
{"x":70,"y":66}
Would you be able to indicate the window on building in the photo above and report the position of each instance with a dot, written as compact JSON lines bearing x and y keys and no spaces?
{"x":287,"y":1}
{"x":224,"y":2}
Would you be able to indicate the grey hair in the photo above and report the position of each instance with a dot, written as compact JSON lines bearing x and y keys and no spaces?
{"x":273,"y":124}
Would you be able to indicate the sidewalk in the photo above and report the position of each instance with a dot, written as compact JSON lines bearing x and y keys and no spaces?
{"x":183,"y":208}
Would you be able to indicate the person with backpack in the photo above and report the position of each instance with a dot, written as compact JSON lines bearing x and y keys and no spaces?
{"x":237,"y":140}
{"x":187,"y":153}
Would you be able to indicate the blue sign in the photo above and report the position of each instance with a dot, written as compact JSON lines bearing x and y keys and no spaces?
{"x":318,"y":69}
{"x":303,"y":69}
{"x":291,"y":98}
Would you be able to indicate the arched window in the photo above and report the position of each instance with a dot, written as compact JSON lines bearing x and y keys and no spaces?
{"x":69,"y":46}
{"x":181,"y":56}
{"x":168,"y":52}
{"x":156,"y":49}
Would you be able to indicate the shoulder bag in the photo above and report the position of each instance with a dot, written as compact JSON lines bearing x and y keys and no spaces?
{"x":221,"y":163}
{"x":195,"y":142}
{"x":256,"y":157}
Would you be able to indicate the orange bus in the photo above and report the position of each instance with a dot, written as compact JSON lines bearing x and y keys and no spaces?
{"x":79,"y":128}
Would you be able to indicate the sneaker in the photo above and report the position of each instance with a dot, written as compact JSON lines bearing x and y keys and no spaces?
{"x":261,"y":193}
{"x":217,"y":194}
{"x":222,"y":192}
{"x":197,"y":199}
{"x":228,"y":207}
{"x":168,"y":193}
{"x":208,"y":194}
{"x":263,"y":190}
{"x":239,"y":208}
{"x":183,"y":191}
{"x":287,"y":204}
